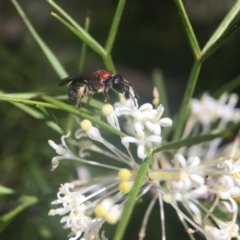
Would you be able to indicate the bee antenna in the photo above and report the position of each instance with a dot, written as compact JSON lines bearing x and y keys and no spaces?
{"x":132,"y":95}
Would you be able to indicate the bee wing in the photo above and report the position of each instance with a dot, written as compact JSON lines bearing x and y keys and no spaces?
{"x":64,"y":81}
{"x":81,"y":78}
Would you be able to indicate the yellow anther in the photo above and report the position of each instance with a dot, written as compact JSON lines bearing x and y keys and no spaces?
{"x":85,"y":125}
{"x":183,"y":176}
{"x":155,"y":101}
{"x":107,"y":109}
{"x":125,"y":187}
{"x":124,"y":174}
{"x":111,"y":218}
{"x":168,"y":198}
{"x":155,"y":93}
{"x":100,"y":210}
{"x":141,"y":134}
{"x":236,"y":175}
{"x":122,"y":100}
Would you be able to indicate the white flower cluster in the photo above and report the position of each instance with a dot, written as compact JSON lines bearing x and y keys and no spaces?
{"x":103,"y":196}
{"x":208,"y":110}
{"x":146,"y":122}
{"x":76,"y":204}
{"x":197,"y":181}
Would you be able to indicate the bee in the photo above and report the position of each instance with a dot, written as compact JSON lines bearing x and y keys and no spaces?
{"x":99,"y":81}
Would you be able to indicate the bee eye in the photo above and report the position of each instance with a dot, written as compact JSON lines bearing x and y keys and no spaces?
{"x":118,"y":83}
{"x":116,"y":80}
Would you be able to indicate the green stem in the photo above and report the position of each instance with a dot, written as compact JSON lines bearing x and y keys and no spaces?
{"x":84,"y":46}
{"x":182,"y":115}
{"x":128,"y":208}
{"x":25,"y":101}
{"x":26,"y":202}
{"x":83,"y":115}
{"x":109,"y":63}
{"x":228,"y":132}
{"x":112,"y":35}
{"x":188,"y":28}
{"x":114,"y":27}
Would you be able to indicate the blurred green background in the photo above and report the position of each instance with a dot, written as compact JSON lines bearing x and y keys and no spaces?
{"x":150,"y":36}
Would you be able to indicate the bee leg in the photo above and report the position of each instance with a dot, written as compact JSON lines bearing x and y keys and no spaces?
{"x":89,"y":98}
{"x":82,"y":91}
{"x":106,"y":97}
{"x":79,"y":104}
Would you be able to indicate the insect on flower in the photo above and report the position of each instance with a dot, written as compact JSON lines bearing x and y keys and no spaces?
{"x":99,"y":81}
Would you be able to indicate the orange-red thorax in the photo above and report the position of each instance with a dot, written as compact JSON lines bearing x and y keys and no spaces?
{"x":101,"y":76}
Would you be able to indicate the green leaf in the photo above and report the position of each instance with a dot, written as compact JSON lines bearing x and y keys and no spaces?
{"x":44,"y":110}
{"x":6,"y":191}
{"x":223,"y":26}
{"x":188,"y":28}
{"x":78,"y":30}
{"x":55,"y":127}
{"x":229,"y":87}
{"x":8,"y":217}
{"x":26,"y":202}
{"x":46,"y":50}
{"x":219,"y":42}
{"x":29,"y":110}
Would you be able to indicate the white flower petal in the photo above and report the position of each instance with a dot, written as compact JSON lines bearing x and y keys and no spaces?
{"x":198,"y":179}
{"x":181,"y":159}
{"x":231,"y":206}
{"x":227,"y":183}
{"x":138,"y":127}
{"x":213,"y":233}
{"x":53,"y":144}
{"x":193,"y":161}
{"x":129,"y":140}
{"x":165,"y":122}
{"x":150,"y":126}
{"x":94,"y":134}
{"x":113,"y":121}
{"x":141,"y":152}
{"x":138,"y":116}
{"x":160,"y":109}
{"x":146,"y":107}
{"x":157,"y":129}
{"x":194,"y":208}
{"x":153,"y":138}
